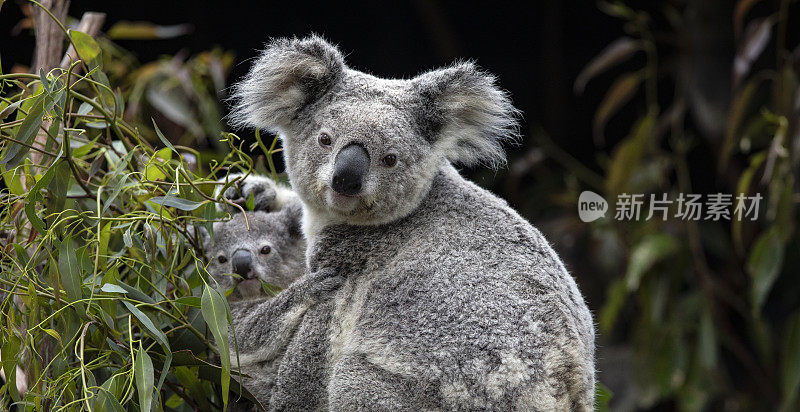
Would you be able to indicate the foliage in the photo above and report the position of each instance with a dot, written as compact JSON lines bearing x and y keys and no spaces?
{"x":710,"y":308}
{"x":106,"y":303}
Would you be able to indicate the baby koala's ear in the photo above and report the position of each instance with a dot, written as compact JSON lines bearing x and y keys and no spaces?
{"x":201,"y":232}
{"x":292,"y":214}
{"x":467,"y":115}
{"x":288,"y":75}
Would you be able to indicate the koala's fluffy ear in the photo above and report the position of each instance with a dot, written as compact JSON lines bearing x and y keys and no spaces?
{"x":468,"y":116}
{"x":202,"y":233}
{"x":289,"y":74}
{"x":292,"y":213}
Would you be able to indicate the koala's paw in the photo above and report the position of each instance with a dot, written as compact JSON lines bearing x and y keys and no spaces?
{"x":263,"y":190}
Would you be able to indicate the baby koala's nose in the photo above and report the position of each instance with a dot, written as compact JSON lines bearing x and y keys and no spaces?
{"x":349,"y":169}
{"x":242,"y":261}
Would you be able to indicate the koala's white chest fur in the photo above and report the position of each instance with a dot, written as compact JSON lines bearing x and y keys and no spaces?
{"x":348,"y":306}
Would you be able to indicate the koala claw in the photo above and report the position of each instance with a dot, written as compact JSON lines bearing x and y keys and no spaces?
{"x":264,"y":191}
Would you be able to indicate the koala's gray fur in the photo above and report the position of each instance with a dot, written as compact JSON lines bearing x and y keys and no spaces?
{"x":424,"y":291}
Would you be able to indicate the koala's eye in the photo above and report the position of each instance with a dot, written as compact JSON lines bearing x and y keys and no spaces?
{"x":325,"y":140}
{"x":389,"y":160}
{"x":265,"y":250}
{"x":222,"y":259}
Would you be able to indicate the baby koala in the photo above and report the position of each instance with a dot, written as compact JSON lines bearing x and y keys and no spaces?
{"x":272,"y":251}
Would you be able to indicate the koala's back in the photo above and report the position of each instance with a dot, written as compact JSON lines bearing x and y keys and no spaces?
{"x":461,"y":305}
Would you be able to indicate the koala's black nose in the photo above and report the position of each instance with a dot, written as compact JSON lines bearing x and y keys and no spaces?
{"x":242,"y":261}
{"x":349,"y":170}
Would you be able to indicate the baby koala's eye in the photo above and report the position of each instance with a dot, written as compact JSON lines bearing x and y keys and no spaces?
{"x":389,"y":160}
{"x":265,"y":250}
{"x":222,"y":259}
{"x":325,"y":140}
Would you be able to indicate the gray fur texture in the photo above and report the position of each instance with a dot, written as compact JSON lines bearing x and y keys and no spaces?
{"x":424,"y":291}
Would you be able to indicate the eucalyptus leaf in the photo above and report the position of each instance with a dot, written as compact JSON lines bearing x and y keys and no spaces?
{"x":216,"y":314}
{"x":176,"y":202}
{"x":112,"y":288}
{"x":155,"y":333}
{"x":15,"y":152}
{"x":764,"y":265}
{"x":143,"y":375}
{"x":87,"y":48}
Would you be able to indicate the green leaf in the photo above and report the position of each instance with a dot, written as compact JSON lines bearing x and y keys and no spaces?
{"x":57,"y":189}
{"x":10,"y":109}
{"x":15,"y":152}
{"x":649,"y":251}
{"x":70,"y":269}
{"x":162,"y":156}
{"x":790,"y":363}
{"x":174,"y":106}
{"x":270,"y":289}
{"x":176,"y":202}
{"x":102,"y":246}
{"x":35,"y":196}
{"x":153,"y":173}
{"x":215,"y":313}
{"x":136,"y":294}
{"x":764,"y":264}
{"x":127,"y":239}
{"x":628,"y":156}
{"x":84,"y":149}
{"x":620,"y":93}
{"x":740,"y":108}
{"x":743,"y":188}
{"x":707,"y":340}
{"x":85,"y":108}
{"x":615,"y":53}
{"x":9,"y":352}
{"x":155,"y":333}
{"x":87,"y":49}
{"x":112,"y":288}
{"x":118,"y":187}
{"x":13,"y":181}
{"x":162,"y":138}
{"x":603,"y":397}
{"x":193,"y":301}
{"x":615,"y":299}
{"x":251,"y":202}
{"x":43,"y":79}
{"x":194,"y":387}
{"x":126,"y":30}
{"x":143,"y":374}
{"x":106,"y":402}
{"x":54,"y":334}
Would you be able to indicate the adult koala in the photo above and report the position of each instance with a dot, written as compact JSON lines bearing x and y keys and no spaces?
{"x":425,"y":291}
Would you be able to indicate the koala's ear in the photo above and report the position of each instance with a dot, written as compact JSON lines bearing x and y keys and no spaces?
{"x":202,"y":233}
{"x":288,"y":75}
{"x":468,"y":117}
{"x":292,"y":213}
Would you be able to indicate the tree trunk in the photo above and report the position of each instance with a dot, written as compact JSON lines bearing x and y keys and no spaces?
{"x":49,"y":36}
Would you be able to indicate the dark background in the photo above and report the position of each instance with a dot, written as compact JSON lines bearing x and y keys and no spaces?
{"x":535,"y":48}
